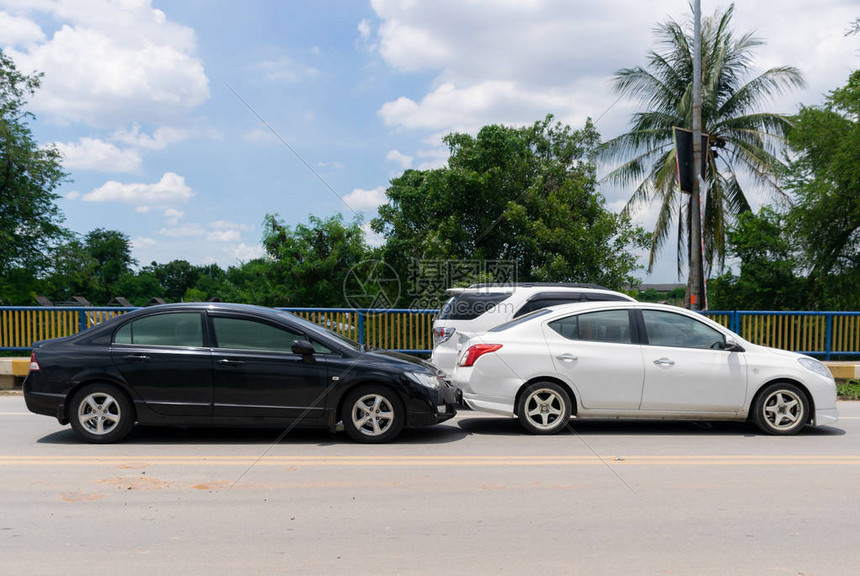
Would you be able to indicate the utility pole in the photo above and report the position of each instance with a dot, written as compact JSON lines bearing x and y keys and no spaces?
{"x":695,"y":282}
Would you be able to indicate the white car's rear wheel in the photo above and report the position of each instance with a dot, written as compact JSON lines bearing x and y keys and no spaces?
{"x":544,"y":408}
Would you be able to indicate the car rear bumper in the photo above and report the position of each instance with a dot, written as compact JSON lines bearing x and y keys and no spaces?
{"x":46,"y":404}
{"x":475,"y":402}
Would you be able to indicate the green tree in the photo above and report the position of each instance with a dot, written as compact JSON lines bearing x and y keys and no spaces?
{"x":309,"y":263}
{"x":111,"y":251}
{"x":524,"y":195}
{"x":825,"y":179}
{"x":743,"y":139}
{"x":770,"y":276}
{"x":72,"y":273}
{"x":30,"y":221}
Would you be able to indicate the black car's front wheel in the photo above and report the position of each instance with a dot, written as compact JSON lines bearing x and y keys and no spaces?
{"x":101,"y":413}
{"x":373,"y":414}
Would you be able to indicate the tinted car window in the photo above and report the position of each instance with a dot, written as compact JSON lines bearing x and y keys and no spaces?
{"x":520,"y":320}
{"x":668,"y":329}
{"x":238,"y":333}
{"x":469,"y":305}
{"x":537,"y":304}
{"x":604,"y":326}
{"x":180,"y":329}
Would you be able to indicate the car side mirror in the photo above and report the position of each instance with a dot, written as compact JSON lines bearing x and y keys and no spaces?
{"x":303,"y":348}
{"x":732,"y":345}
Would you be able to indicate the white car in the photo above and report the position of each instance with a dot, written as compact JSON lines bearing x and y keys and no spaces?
{"x":476,"y":309}
{"x":638,"y":360}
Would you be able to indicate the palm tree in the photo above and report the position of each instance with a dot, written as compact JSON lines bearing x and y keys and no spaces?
{"x":742,"y":139}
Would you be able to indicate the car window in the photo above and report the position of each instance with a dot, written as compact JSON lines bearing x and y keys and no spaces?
{"x":244,"y":334}
{"x":539,"y":303}
{"x":179,"y":329}
{"x":520,"y":320}
{"x":669,"y":329}
{"x":470,"y":305}
{"x":603,"y":326}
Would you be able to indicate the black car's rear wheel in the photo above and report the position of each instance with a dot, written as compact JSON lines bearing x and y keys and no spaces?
{"x":101,"y":413}
{"x":373,"y":414}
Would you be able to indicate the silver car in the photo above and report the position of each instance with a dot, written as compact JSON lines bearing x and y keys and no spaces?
{"x":637,"y":360}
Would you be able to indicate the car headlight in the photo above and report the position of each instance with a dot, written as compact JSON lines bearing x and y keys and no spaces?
{"x":427,"y":380}
{"x":815,"y":366}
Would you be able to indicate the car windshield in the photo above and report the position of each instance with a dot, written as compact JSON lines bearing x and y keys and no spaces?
{"x":520,"y":320}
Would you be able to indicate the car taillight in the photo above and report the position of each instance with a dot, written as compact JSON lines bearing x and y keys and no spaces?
{"x":475,"y":352}
{"x":34,"y":366}
{"x":442,"y":334}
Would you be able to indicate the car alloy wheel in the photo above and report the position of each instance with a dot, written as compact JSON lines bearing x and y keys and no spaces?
{"x":781,"y":409}
{"x":373,"y":415}
{"x":544,"y":408}
{"x":101,"y":414}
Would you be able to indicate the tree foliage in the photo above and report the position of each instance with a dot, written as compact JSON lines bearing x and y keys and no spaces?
{"x":309,"y":263}
{"x":30,"y":220}
{"x":524,"y":195}
{"x":743,"y":139}
{"x":806,"y":255}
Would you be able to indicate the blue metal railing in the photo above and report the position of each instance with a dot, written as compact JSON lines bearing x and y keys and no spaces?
{"x":824,"y":334}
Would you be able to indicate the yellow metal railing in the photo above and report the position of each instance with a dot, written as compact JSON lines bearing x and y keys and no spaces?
{"x":823,"y":333}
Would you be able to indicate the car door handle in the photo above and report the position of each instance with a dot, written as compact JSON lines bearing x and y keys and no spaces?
{"x":226,"y":362}
{"x":664,"y":362}
{"x":137,"y":357}
{"x":567,"y":357}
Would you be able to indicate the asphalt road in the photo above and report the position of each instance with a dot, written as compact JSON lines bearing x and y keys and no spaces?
{"x":472,"y":496}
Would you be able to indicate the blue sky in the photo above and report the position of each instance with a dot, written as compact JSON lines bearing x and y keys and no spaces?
{"x":138,"y":96}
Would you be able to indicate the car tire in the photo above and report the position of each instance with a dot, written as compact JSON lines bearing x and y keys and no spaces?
{"x":373,"y":414}
{"x":781,"y":409}
{"x":101,"y":413}
{"x":544,"y":408}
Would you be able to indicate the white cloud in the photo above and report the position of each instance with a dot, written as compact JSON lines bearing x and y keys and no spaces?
{"x":172,"y":216}
{"x":360,"y":199}
{"x":114,"y":62}
{"x":245,"y":252}
{"x":400,"y":159}
{"x":163,"y":137}
{"x":142,"y":242}
{"x":73,"y":195}
{"x":372,"y":238}
{"x":98,"y":155}
{"x":17,"y":31}
{"x":364,"y":29}
{"x":227,"y":225}
{"x":223,"y":236}
{"x":285,"y":69}
{"x":257,"y":135}
{"x":170,"y":190}
{"x":184,"y":231}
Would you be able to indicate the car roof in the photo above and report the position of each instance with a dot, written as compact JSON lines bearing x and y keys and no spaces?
{"x":531,"y":287}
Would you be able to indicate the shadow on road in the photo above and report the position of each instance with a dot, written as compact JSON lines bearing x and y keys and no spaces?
{"x":152,"y":435}
{"x":604,"y":427}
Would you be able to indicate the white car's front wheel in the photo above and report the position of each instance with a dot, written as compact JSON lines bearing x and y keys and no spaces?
{"x":544,"y":408}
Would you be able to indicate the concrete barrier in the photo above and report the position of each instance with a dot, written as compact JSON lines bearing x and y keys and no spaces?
{"x":13,"y":371}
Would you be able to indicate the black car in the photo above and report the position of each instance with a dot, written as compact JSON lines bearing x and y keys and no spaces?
{"x":229,"y":365}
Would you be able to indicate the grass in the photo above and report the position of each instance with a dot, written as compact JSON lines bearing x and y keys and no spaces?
{"x":848,"y":389}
